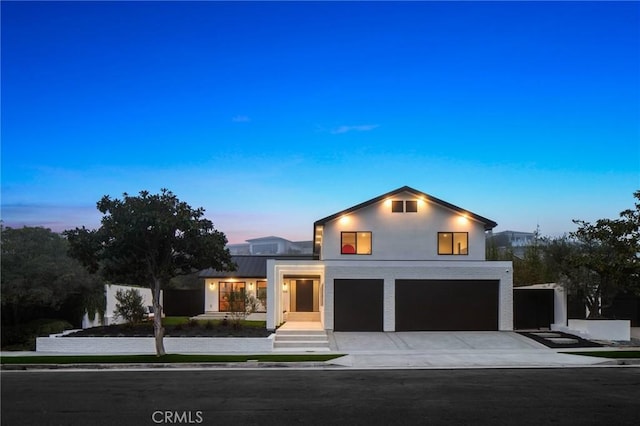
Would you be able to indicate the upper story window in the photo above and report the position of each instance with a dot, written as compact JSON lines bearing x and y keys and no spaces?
{"x":408,"y":206}
{"x":355,"y":242}
{"x":453,"y":243}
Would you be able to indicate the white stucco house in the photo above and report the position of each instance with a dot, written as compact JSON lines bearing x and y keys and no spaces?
{"x":403,"y":261}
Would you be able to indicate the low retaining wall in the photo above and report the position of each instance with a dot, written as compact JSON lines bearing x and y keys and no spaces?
{"x":603,"y":329}
{"x":146,"y":345}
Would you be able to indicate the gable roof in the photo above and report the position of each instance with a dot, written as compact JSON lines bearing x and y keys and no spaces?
{"x":488,"y":223}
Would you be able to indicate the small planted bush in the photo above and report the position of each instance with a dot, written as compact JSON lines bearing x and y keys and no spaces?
{"x":130,"y":306}
{"x":23,"y":336}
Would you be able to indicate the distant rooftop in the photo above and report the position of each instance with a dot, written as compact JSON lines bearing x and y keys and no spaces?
{"x":271,"y":245}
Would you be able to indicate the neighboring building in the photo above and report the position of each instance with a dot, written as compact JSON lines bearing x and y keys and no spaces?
{"x":239,"y":249}
{"x":402,"y":261}
{"x":515,"y":242}
{"x":514,"y":238}
{"x":271,"y":246}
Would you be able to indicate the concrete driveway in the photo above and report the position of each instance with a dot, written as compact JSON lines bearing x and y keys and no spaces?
{"x":430,"y":340}
{"x":463,"y":349}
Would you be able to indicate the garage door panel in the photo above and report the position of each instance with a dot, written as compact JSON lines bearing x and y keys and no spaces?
{"x":446,"y":305}
{"x":533,"y":308}
{"x":358,"y":305}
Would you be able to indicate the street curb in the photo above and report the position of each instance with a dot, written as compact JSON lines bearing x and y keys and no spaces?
{"x":621,"y":362}
{"x":212,"y":365}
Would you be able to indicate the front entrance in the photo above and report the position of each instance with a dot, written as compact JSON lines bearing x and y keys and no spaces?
{"x":302,"y":298}
{"x":304,"y":295}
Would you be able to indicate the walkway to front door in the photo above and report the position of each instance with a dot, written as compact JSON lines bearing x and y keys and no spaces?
{"x":301,"y":336}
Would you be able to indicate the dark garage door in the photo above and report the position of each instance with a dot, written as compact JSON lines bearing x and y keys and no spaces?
{"x":446,"y":305}
{"x":358,"y":305}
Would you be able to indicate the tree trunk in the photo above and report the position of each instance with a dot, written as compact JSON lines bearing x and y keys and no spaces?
{"x":158,"y":330}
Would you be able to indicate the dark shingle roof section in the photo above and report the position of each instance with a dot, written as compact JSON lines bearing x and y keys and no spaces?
{"x":488,"y":224}
{"x":247,"y":267}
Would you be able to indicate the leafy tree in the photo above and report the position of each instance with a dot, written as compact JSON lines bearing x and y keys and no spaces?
{"x":191,"y":281}
{"x":532,"y":268}
{"x":528,"y":267}
{"x":150,"y":239}
{"x":39,"y":278}
{"x":600,"y":259}
{"x":129,"y":306}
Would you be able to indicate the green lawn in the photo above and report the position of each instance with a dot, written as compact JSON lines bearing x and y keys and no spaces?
{"x":609,"y":354}
{"x":169,"y":358}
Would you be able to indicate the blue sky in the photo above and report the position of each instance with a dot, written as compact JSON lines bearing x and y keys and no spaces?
{"x":273,"y":115}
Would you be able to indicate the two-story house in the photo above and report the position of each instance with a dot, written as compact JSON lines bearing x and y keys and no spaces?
{"x":402,"y":261}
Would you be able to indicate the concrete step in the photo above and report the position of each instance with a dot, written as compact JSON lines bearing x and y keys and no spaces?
{"x":298,"y":349}
{"x":301,"y":341}
{"x":301,"y":344}
{"x":303,"y":316}
{"x":280,"y":332}
{"x":296,"y":337}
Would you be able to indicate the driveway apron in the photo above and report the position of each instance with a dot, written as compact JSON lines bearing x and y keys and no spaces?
{"x":489,"y":349}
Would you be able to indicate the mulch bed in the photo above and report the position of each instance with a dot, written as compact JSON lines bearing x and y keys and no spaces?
{"x":579,"y":341}
{"x":146,"y":330}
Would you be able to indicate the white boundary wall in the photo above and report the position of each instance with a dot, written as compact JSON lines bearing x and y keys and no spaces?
{"x":110,"y":291}
{"x":146,"y":345}
{"x":602,"y":329}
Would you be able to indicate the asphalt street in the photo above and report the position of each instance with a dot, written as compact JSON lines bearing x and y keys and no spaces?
{"x":579,"y":396}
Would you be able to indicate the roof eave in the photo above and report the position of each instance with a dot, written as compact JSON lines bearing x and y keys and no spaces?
{"x":488,"y":223}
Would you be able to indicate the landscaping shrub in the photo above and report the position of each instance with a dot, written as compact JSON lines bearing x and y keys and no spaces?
{"x":23,"y":336}
{"x":130,"y":306}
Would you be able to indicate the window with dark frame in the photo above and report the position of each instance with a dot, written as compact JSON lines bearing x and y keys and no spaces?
{"x":453,"y":243}
{"x":231,"y":296}
{"x":408,"y":206}
{"x":355,"y":242}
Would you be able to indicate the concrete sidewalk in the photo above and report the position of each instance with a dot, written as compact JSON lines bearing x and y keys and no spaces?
{"x":398,"y":350}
